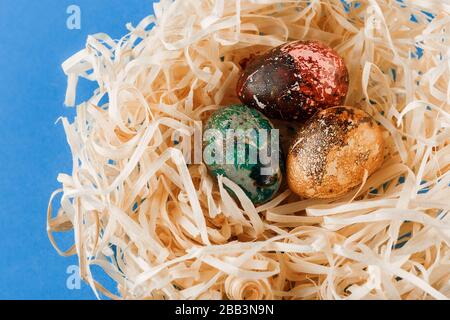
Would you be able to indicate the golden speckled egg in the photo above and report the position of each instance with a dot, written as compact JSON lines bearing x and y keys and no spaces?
{"x":330,"y":153}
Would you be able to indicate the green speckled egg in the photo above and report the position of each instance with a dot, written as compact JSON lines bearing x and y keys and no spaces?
{"x":239,"y":143}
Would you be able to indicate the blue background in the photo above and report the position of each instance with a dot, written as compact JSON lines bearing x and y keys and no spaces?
{"x":34,"y":41}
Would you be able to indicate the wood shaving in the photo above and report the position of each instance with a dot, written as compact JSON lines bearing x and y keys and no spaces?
{"x":165,"y":229}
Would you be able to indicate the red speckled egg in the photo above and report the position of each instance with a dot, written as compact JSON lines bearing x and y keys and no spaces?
{"x":294,"y":80}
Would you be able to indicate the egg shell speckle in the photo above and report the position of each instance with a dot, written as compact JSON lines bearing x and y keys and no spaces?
{"x":331,"y":152}
{"x":294,"y":80}
{"x":258,"y":187}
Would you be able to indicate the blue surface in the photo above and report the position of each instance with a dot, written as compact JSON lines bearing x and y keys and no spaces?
{"x":34,"y":42}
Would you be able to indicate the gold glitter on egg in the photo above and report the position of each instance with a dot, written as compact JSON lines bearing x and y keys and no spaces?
{"x":332,"y":151}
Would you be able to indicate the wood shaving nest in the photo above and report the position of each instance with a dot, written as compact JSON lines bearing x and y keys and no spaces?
{"x":163,"y":229}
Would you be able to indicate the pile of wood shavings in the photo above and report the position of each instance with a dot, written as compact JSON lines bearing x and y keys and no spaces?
{"x":163,"y":229}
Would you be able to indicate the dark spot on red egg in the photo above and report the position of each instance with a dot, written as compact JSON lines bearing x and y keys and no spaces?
{"x":294,"y":80}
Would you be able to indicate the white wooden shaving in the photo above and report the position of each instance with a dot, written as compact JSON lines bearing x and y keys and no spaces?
{"x":162,"y":229}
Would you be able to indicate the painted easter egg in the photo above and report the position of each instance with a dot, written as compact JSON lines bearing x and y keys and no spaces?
{"x":240,"y":144}
{"x":294,"y":80}
{"x":332,"y":151}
